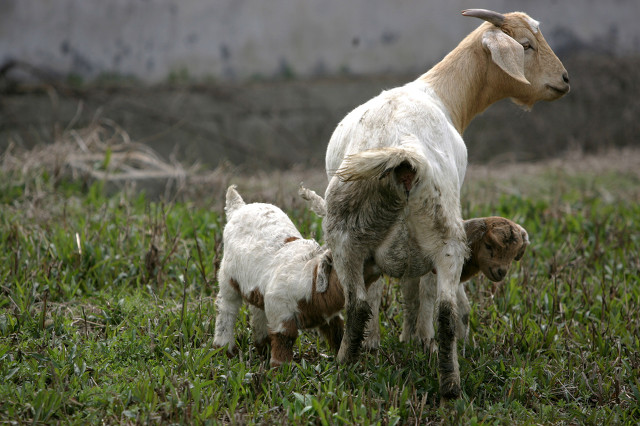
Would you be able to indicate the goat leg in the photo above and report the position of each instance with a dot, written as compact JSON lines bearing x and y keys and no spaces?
{"x":282,"y":343}
{"x":411,"y":306}
{"x":462,"y":323}
{"x":358,"y":312}
{"x":447,"y":353}
{"x":372,"y":332}
{"x":424,"y":323}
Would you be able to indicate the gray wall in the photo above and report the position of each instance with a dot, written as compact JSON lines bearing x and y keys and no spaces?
{"x":240,"y":39}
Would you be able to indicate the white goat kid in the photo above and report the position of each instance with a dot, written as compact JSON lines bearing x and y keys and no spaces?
{"x":287,"y":281}
{"x":396,"y":164}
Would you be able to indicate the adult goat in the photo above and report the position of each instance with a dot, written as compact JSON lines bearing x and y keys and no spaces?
{"x":397,"y":162}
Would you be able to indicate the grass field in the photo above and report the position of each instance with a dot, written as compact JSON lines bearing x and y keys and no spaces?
{"x":107,"y":313}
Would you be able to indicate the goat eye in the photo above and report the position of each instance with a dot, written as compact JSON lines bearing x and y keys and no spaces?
{"x":488,"y":246}
{"x":526,"y":45}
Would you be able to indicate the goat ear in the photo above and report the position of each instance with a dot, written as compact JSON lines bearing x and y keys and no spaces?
{"x":324,"y":272}
{"x":525,"y":242}
{"x":506,"y":53}
{"x":475,"y":229}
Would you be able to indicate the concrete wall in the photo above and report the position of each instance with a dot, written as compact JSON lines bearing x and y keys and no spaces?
{"x":239,"y":39}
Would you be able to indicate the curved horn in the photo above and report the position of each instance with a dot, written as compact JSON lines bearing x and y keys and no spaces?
{"x":495,"y":18}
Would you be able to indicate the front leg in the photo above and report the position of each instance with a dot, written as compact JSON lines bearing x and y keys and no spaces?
{"x":464,"y":309}
{"x":424,"y":324}
{"x":259,"y":329}
{"x":282,"y":341}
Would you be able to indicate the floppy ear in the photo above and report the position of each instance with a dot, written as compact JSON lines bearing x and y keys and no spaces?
{"x":506,"y":53}
{"x":525,"y":242}
{"x":324,"y":272}
{"x":475,"y":229}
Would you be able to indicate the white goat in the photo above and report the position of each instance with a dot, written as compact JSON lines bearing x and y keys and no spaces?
{"x":287,"y":281}
{"x":397,"y":162}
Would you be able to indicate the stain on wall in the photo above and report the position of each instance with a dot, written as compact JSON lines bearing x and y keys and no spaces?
{"x":232,"y":40}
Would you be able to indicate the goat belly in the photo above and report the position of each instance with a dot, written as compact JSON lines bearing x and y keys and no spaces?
{"x":400,"y":256}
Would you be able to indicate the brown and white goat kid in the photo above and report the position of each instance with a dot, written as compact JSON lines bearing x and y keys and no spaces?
{"x":397,"y":162}
{"x":494,"y":243}
{"x":288,"y":282}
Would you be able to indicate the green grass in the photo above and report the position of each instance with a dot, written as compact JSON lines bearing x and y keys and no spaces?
{"x":107,"y":314}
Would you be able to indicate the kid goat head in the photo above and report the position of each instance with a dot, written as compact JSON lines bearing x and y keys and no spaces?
{"x":495,"y":242}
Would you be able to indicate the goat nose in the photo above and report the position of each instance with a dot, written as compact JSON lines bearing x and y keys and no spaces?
{"x":502,"y":272}
{"x":565,"y":77}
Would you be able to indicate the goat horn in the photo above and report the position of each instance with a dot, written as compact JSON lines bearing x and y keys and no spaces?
{"x":495,"y":18}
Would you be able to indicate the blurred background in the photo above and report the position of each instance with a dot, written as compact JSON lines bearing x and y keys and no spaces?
{"x":262,"y":84}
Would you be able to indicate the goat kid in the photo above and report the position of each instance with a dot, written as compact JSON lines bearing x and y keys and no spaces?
{"x":288,"y":282}
{"x":422,"y":123}
{"x":494,"y":243}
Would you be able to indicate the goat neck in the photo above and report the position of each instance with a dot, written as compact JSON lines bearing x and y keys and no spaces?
{"x":464,"y":82}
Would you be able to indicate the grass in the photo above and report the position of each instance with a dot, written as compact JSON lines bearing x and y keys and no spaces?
{"x":107,"y":314}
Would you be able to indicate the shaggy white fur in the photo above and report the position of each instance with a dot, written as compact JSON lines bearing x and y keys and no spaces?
{"x":288,"y":281}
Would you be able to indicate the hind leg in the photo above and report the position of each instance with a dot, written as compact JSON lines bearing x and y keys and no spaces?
{"x":358,"y":311}
{"x":228,"y":303}
{"x":449,"y":267}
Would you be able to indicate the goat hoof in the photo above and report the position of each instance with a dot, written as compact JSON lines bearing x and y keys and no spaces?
{"x":450,"y":388}
{"x":371,"y":344}
{"x":230,"y":352}
{"x":430,"y":345}
{"x":275,"y":363}
{"x":346,"y":357}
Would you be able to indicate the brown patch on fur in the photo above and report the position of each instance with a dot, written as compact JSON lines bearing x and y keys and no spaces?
{"x":235,"y":285}
{"x":282,"y":343}
{"x":314,"y":312}
{"x":289,"y":239}
{"x":254,"y":298}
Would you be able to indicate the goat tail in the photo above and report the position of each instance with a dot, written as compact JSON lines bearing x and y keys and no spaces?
{"x":234,"y":201}
{"x":316,"y":203}
{"x":377,"y":163}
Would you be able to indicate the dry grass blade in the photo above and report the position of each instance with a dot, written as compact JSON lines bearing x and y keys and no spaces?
{"x":103,"y":150}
